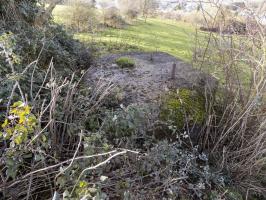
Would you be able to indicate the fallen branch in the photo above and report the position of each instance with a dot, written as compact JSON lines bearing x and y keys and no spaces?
{"x":69,"y":161}
{"x":100,"y":164}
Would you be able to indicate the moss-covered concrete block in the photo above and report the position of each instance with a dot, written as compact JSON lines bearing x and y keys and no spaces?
{"x":183,"y":106}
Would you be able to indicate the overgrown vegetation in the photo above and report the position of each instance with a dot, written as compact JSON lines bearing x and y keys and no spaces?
{"x":77,"y":16}
{"x":233,"y":132}
{"x":61,"y":138}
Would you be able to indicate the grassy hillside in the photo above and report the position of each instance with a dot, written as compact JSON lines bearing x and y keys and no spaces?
{"x":175,"y":38}
{"x":154,"y":35}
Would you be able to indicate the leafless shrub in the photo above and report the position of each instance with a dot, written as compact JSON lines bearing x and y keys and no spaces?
{"x":235,"y":129}
{"x":79,"y":16}
{"x":60,"y":105}
{"x":132,"y":14}
{"x":174,"y":15}
{"x":112,"y":18}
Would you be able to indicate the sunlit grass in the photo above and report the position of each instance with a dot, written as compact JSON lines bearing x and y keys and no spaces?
{"x":175,"y":38}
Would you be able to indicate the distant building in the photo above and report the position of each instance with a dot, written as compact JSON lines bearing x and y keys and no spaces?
{"x":170,"y":5}
{"x":236,"y":6}
{"x":106,"y":3}
{"x":91,"y":2}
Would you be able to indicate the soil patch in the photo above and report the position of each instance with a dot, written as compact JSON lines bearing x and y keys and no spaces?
{"x":151,"y":77}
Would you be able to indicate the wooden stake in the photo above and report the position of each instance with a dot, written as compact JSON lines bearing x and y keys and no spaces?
{"x":173,"y":71}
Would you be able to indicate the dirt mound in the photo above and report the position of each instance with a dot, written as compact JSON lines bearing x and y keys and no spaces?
{"x":151,"y":77}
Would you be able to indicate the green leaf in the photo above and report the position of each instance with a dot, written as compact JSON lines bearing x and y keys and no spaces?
{"x":11,"y":171}
{"x":17,"y":104}
{"x":18,"y":140}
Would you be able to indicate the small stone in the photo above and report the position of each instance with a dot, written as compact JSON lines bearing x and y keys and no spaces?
{"x":103,"y":178}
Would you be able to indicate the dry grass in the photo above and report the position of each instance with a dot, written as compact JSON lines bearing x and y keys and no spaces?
{"x":235,"y":130}
{"x":60,"y":107}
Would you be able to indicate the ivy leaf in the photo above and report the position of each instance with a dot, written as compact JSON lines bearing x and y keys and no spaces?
{"x":11,"y":171}
{"x":18,"y":140}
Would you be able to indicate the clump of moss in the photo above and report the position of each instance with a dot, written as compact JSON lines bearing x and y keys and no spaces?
{"x":182,"y":106}
{"x":125,"y":62}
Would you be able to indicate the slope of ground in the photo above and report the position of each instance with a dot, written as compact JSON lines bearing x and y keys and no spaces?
{"x":167,"y":36}
{"x":175,"y":38}
{"x":149,"y":79}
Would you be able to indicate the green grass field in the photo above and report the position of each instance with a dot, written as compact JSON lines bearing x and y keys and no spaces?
{"x":154,"y":35}
{"x":175,"y":38}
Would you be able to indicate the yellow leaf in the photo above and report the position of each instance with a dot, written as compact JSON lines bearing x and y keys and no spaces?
{"x":18,"y":140}
{"x":27,"y":110}
{"x":5,"y":123}
{"x":14,"y":111}
{"x":83,"y":184}
{"x":22,"y":119}
{"x":9,"y":133}
{"x":21,"y":128}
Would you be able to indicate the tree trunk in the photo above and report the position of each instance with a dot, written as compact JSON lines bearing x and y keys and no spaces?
{"x":44,"y":15}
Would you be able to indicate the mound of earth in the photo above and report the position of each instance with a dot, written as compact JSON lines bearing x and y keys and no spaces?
{"x":151,"y":77}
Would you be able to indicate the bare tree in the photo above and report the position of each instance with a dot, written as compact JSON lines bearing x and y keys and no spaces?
{"x":129,"y":8}
{"x":78,"y":14}
{"x":148,"y":7}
